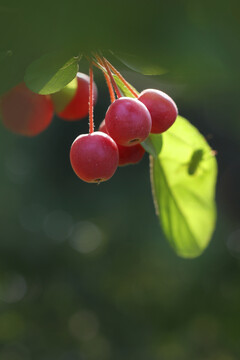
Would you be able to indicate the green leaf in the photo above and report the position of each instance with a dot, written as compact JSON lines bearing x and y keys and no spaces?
{"x":150,"y":148}
{"x":51,"y":73}
{"x":141,"y":65}
{"x":183,"y":178}
{"x":123,"y":88}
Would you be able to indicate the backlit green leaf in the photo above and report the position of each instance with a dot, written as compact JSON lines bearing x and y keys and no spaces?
{"x":183,"y":178}
{"x":125,"y":91}
{"x":51,"y":73}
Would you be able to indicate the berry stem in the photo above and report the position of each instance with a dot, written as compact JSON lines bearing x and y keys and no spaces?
{"x":91,"y":122}
{"x":108,"y":80}
{"x":103,"y":61}
{"x":116,"y":72}
{"x":110,"y":88}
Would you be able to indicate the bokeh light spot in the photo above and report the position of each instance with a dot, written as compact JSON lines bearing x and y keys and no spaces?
{"x":86,"y":237}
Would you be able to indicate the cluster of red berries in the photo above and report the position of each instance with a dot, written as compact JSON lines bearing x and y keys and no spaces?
{"x":128,"y":122}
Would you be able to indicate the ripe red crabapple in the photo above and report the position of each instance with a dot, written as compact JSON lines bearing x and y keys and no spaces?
{"x":94,"y":157}
{"x":162,"y":108}
{"x":128,"y":121}
{"x":77,"y":108}
{"x":127,"y":154}
{"x":25,"y":112}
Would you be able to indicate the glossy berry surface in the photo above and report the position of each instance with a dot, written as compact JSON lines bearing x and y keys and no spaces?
{"x":77,"y":108}
{"x":127,"y":154}
{"x":162,"y":108}
{"x":25,"y":112}
{"x":94,"y":157}
{"x":128,"y":121}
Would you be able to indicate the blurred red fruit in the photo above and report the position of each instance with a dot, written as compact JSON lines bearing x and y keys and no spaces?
{"x":25,"y":112}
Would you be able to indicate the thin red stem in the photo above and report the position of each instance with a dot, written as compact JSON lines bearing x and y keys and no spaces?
{"x":91,"y":122}
{"x":110,"y":88}
{"x":98,"y":65}
{"x":117,"y":91}
{"x":121,"y":78}
{"x":108,"y":81}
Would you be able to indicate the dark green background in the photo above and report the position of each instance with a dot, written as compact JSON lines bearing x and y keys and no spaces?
{"x":128,"y":296}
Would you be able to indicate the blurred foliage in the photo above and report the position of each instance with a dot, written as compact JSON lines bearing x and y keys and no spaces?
{"x":84,"y":274}
{"x":203,"y":36}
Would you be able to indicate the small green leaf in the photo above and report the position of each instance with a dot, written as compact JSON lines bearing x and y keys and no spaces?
{"x":51,"y":73}
{"x":125,"y":91}
{"x":183,"y":179}
{"x":140,"y":65}
{"x":150,"y":148}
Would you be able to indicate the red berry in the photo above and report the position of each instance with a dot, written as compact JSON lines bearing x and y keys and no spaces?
{"x":162,"y":108}
{"x":128,"y":121}
{"x":130,"y":154}
{"x":25,"y":112}
{"x":77,"y":108}
{"x":94,"y":157}
{"x":127,"y":154}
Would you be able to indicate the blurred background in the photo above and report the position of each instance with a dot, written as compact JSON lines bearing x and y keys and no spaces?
{"x":85,"y":271}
